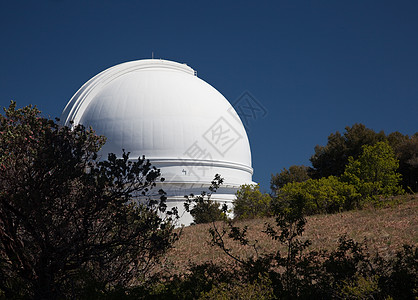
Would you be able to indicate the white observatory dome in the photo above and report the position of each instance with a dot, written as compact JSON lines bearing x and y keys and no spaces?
{"x":162,"y":110}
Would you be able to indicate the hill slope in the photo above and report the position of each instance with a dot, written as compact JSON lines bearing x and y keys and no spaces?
{"x":384,"y":230}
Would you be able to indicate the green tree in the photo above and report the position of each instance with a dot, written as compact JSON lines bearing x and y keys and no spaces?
{"x":251,"y":203}
{"x":374,"y":172}
{"x":294,"y":174}
{"x":68,"y":219}
{"x":332,"y":158}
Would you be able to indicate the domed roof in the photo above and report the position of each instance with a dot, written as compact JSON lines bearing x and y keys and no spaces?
{"x":162,"y":110}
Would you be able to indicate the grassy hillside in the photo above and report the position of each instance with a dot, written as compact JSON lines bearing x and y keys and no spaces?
{"x":384,"y":230}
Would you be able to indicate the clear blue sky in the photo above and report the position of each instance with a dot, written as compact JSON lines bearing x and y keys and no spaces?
{"x":316,"y":67}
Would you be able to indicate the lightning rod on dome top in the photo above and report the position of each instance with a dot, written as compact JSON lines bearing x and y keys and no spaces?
{"x":152,"y":54}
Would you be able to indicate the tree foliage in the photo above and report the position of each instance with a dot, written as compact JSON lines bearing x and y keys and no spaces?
{"x":332,"y":158}
{"x":294,"y":174}
{"x":406,"y":150}
{"x":67,"y":218}
{"x":374,"y":172}
{"x":251,"y":203}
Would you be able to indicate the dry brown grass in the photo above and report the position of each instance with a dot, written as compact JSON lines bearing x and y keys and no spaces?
{"x":384,"y":230}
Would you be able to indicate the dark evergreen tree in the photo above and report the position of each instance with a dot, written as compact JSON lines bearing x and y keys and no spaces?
{"x":294,"y":174}
{"x":69,"y":220}
{"x":332,"y":158}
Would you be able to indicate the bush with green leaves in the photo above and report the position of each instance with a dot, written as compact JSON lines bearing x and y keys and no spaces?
{"x":324,"y":195}
{"x":260,"y":289}
{"x":202,"y":208}
{"x":207,"y":211}
{"x":251,"y":203}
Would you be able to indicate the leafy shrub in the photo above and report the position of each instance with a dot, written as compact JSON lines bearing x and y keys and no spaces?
{"x":360,"y":288}
{"x":251,"y":203}
{"x":324,"y":195}
{"x":202,"y":208}
{"x":206,"y":211}
{"x":258,"y":290}
{"x":198,"y":280}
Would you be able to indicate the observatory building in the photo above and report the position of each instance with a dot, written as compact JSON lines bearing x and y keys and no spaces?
{"x":183,"y":125}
